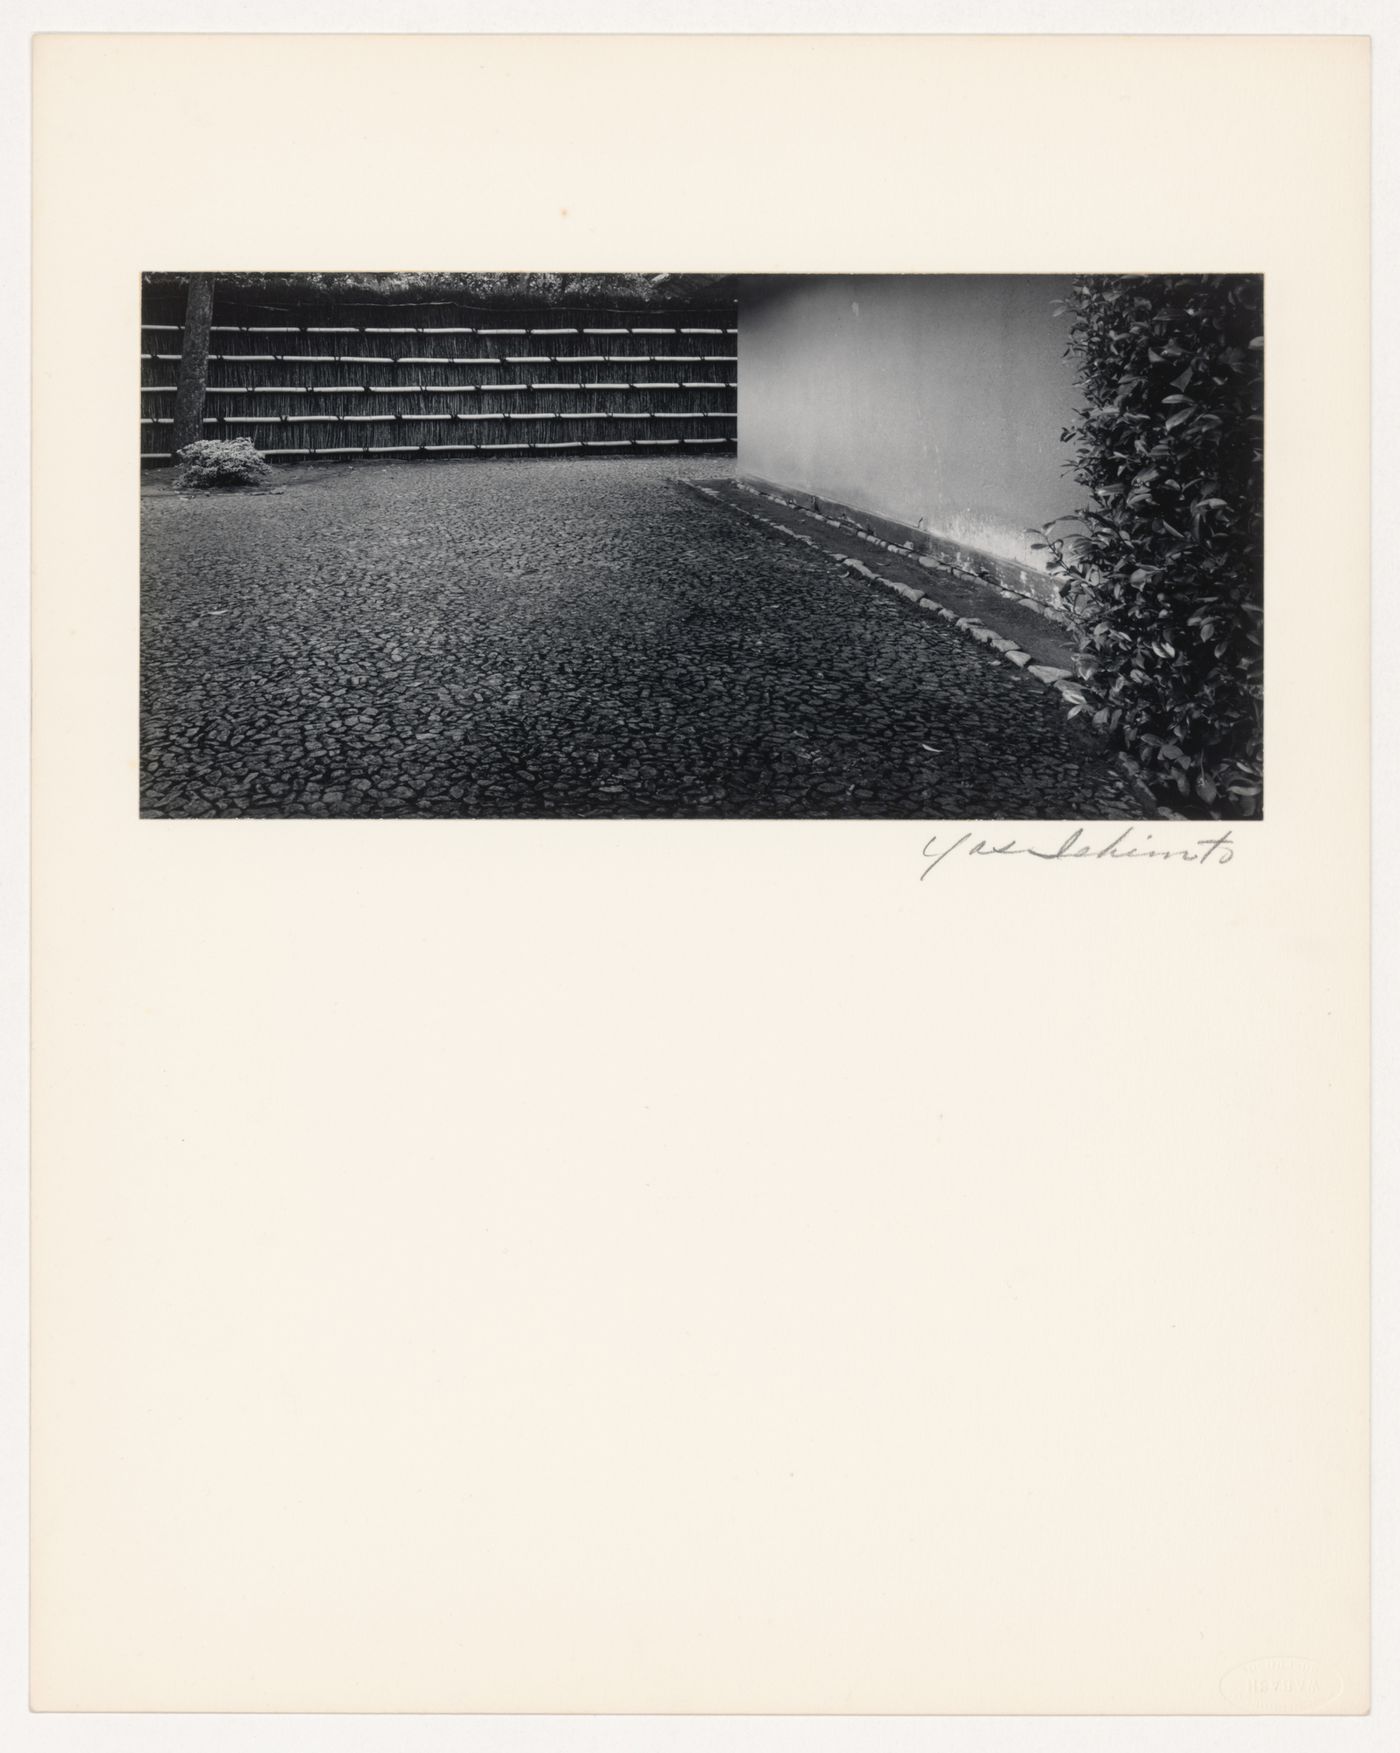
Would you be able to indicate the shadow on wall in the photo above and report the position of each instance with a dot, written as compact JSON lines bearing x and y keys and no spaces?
{"x":933,"y":402}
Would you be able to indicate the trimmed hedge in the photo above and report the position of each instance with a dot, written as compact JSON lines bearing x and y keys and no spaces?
{"x":483,"y":289}
{"x":1163,"y":578}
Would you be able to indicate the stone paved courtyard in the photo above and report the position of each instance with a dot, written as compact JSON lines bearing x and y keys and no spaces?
{"x":562,"y":638}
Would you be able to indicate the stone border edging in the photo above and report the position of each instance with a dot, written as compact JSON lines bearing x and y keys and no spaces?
{"x":936,"y":553}
{"x":1061,"y":681}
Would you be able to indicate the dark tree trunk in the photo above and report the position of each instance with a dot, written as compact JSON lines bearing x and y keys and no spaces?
{"x":194,"y":361}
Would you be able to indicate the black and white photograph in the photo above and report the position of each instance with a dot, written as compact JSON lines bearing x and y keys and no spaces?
{"x":701,"y":545}
{"x":684,"y":1089}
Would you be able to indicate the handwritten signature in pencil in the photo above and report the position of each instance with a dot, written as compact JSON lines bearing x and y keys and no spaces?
{"x":1217,"y":849}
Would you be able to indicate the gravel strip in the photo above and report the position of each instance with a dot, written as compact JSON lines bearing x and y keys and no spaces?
{"x":563,"y":638}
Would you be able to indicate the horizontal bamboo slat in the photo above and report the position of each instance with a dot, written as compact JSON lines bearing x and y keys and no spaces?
{"x":424,"y":329}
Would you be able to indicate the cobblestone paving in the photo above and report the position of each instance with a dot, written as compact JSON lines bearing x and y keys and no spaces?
{"x":550,"y":638}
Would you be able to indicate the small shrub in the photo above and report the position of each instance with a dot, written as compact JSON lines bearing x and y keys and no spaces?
{"x":1164,"y":576}
{"x":222,"y":462}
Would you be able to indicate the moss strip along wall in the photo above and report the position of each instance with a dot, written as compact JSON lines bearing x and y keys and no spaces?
{"x":439,"y":379}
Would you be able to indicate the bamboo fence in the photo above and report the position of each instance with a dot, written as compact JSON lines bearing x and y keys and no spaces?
{"x":441,"y":379}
